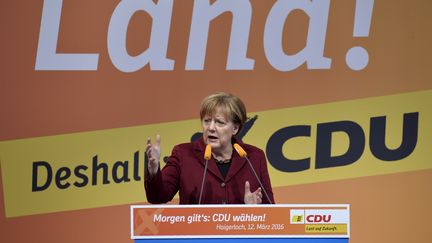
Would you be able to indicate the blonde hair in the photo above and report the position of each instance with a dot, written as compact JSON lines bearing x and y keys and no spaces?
{"x":231,"y":105}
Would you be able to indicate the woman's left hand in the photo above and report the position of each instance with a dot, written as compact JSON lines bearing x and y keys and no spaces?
{"x":252,"y":197}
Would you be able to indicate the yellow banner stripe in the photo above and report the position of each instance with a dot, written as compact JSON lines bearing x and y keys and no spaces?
{"x":72,"y":157}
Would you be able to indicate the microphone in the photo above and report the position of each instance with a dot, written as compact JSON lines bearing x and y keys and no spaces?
{"x":243,"y":154}
{"x":207,"y":152}
{"x":207,"y":156}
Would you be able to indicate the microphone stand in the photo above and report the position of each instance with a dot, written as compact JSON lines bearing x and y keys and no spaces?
{"x":202,"y":183}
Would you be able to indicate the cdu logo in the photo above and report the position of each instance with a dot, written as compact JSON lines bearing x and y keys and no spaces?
{"x":297,"y":216}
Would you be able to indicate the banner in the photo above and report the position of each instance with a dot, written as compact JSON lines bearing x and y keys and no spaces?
{"x":107,"y":166}
{"x":240,"y":221}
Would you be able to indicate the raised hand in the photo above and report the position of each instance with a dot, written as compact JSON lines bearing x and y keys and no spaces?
{"x":153,"y":152}
{"x":252,"y":197}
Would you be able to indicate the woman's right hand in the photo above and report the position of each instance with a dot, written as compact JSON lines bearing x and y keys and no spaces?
{"x":153,"y":155}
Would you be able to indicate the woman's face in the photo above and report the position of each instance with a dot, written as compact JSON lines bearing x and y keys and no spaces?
{"x":218,"y":130}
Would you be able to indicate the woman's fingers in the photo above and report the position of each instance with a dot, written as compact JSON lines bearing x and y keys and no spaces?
{"x":247,"y":188}
{"x":158,"y":139}
{"x":153,"y":154}
{"x":252,"y":197}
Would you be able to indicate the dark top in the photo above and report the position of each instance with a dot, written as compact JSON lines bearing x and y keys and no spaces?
{"x":223,"y":167}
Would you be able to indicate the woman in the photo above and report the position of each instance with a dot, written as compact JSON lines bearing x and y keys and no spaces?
{"x":229,"y":178}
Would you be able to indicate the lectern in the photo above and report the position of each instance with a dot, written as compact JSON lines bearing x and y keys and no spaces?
{"x":294,"y":223}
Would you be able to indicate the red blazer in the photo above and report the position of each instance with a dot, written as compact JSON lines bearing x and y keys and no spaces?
{"x":184,"y":170}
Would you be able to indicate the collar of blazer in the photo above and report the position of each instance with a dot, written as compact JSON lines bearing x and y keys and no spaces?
{"x":237,"y":162}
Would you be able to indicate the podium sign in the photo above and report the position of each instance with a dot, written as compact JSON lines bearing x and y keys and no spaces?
{"x":278,"y":221}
